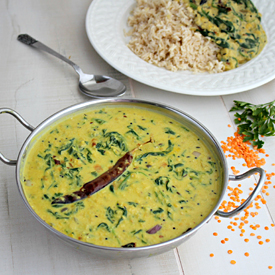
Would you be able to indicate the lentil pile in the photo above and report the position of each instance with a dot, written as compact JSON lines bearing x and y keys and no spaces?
{"x":235,"y":148}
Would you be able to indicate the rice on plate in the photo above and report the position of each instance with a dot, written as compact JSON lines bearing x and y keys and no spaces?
{"x":164,"y":34}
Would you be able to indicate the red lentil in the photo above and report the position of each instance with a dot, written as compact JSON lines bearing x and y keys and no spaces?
{"x":237,"y":148}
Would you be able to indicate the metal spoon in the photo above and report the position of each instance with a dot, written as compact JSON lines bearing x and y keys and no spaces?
{"x":91,"y":85}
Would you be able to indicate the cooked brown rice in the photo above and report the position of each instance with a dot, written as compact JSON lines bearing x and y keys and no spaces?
{"x":163,"y":34}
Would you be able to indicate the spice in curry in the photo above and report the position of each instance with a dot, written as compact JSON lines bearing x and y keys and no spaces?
{"x":158,"y":179}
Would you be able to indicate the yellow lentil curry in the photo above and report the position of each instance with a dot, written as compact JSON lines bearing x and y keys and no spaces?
{"x":166,"y":179}
{"x":234,"y":25}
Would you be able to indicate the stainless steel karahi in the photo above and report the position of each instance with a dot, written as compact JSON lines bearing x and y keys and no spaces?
{"x":185,"y":119}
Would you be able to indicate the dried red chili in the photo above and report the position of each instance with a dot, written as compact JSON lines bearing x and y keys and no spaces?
{"x":100,"y":182}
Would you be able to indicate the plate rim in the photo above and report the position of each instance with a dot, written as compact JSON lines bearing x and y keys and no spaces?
{"x":194,"y":92}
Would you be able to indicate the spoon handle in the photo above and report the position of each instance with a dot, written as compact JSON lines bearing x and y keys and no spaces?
{"x":28,"y":40}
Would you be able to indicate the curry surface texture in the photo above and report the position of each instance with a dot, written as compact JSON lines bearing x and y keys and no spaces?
{"x":234,"y":25}
{"x":171,"y":185}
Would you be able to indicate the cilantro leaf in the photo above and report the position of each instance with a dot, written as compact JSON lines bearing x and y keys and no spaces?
{"x":254,"y":121}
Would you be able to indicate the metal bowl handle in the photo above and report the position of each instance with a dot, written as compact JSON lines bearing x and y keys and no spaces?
{"x":23,"y":122}
{"x":252,"y":196}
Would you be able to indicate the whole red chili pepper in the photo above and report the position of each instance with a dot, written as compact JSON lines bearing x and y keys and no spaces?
{"x":100,"y":182}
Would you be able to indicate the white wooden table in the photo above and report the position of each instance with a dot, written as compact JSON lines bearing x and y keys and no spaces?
{"x":37,"y":85}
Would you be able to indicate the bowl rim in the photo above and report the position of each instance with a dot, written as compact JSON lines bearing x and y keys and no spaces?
{"x":73,"y":109}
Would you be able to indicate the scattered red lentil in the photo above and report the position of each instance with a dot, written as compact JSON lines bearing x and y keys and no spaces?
{"x":211,"y":255}
{"x":241,"y":149}
{"x":237,"y":148}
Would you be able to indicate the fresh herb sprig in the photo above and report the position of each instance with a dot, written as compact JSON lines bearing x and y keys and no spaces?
{"x":255,"y":121}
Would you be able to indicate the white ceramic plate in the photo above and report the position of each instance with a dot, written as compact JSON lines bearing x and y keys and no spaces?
{"x":106,"y":21}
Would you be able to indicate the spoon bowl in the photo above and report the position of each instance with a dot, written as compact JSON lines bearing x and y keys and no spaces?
{"x":97,"y":86}
{"x":100,"y":86}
